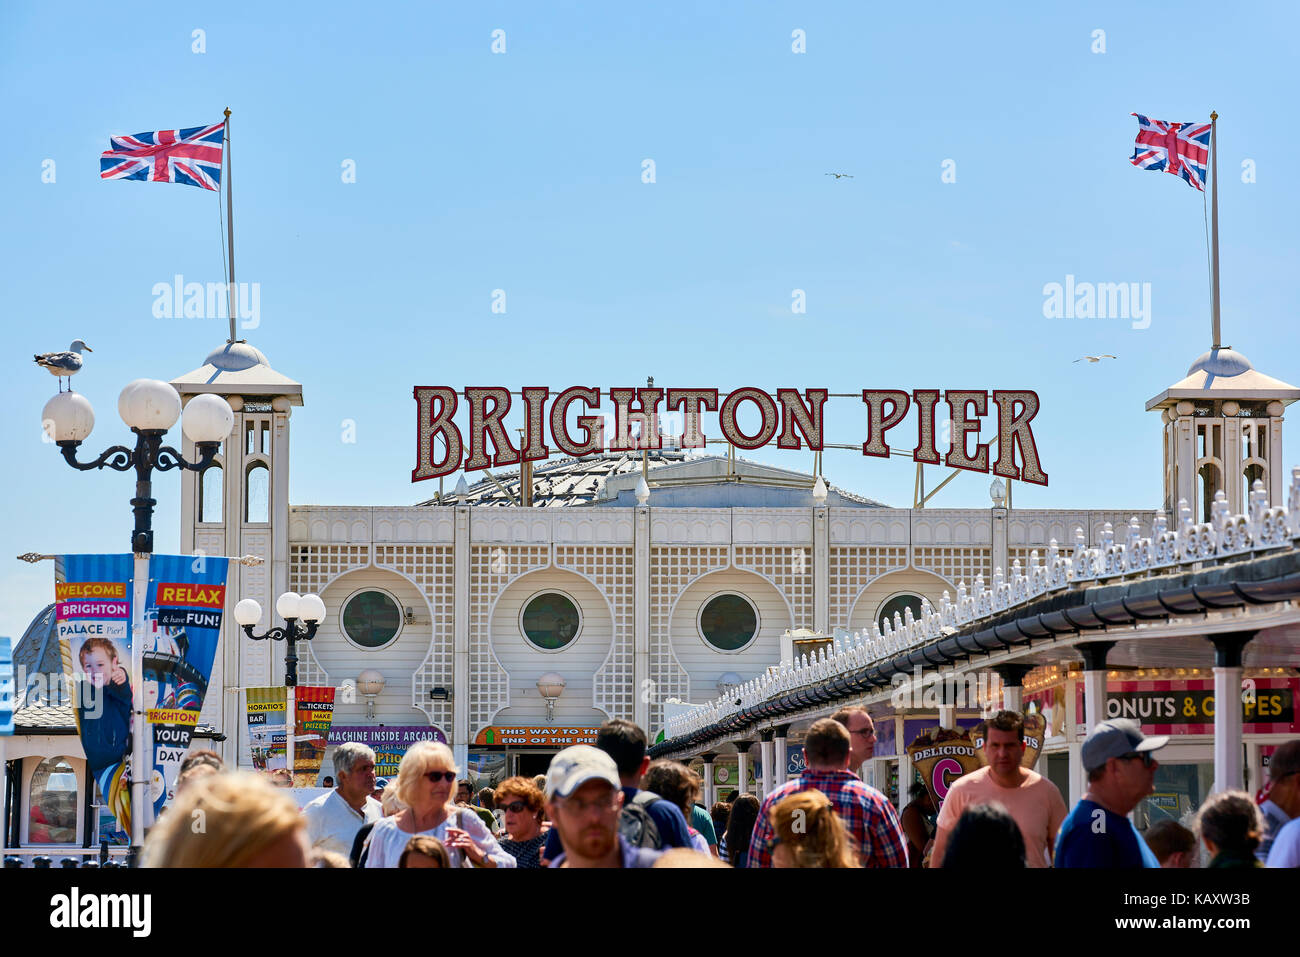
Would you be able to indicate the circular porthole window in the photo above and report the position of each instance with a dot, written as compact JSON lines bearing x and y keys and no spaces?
{"x":550,"y":620}
{"x":371,"y":618}
{"x":899,"y":603}
{"x":728,"y":622}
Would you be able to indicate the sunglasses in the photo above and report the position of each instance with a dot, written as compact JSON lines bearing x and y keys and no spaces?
{"x":436,"y":776}
{"x":1144,"y":756}
{"x":514,"y":807}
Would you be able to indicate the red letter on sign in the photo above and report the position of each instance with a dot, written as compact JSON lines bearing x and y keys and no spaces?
{"x":727,"y":418}
{"x":483,"y":423}
{"x":592,"y":425}
{"x":431,"y":425}
{"x":958,"y":401}
{"x":1015,"y":428}
{"x":692,"y":400}
{"x":808,"y":419}
{"x":648,"y":416}
{"x":926,"y":400}
{"x":877,"y":422}
{"x":535,"y":438}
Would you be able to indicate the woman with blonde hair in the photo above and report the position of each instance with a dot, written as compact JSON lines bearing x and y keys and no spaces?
{"x":426,"y":785}
{"x":229,"y":820}
{"x":810,"y":833}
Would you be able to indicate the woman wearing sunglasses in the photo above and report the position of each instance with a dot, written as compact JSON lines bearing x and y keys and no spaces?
{"x":519,"y":805}
{"x":426,"y":784}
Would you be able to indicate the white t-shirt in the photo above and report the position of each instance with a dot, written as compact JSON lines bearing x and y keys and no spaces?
{"x":387,"y":840}
{"x":332,"y":824}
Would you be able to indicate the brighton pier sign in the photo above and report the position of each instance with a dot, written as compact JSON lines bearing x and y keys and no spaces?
{"x":791,"y":417}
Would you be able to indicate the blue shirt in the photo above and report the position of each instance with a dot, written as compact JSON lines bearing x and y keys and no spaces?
{"x":1092,"y":836}
{"x":632,"y":856}
{"x":666,"y":815}
{"x":1286,"y":846}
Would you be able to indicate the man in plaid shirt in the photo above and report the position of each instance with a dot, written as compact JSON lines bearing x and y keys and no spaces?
{"x":868,"y":816}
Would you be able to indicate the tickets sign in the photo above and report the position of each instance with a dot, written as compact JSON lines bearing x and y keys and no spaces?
{"x":314,"y":712}
{"x":1268,"y":705}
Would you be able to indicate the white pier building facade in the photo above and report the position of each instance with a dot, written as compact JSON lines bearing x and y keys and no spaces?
{"x":678,"y":589}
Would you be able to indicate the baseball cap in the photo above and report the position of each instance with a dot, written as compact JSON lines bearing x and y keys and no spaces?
{"x":1285,"y":761}
{"x":573,"y":767}
{"x":1116,"y":738}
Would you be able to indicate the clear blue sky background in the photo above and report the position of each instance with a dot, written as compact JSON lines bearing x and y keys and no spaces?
{"x":522,"y":172}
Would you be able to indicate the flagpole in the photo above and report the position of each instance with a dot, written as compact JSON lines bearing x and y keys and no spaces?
{"x":230,"y":235}
{"x":1214,"y":229}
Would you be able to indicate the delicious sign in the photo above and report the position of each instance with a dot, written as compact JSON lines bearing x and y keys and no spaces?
{"x":787,"y":417}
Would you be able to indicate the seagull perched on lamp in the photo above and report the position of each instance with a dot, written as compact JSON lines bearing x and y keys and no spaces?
{"x":1095,"y":358}
{"x":64,"y":364}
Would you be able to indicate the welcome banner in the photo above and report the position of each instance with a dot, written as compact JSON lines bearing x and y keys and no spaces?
{"x":314,"y":712}
{"x":92,"y":595}
{"x":266,"y":728}
{"x":187,"y":595}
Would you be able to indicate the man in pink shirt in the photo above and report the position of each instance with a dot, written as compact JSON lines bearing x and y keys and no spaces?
{"x":1032,"y":801}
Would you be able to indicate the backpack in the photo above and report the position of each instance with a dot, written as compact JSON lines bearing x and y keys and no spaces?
{"x":636,"y":825}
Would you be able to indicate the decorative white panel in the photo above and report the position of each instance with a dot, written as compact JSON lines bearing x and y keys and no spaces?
{"x":690,"y":525}
{"x":772,"y":526}
{"x":312,"y":567}
{"x":672,"y":568}
{"x":853,"y":567}
{"x":790,"y":569}
{"x":952,"y":526}
{"x":956,"y":564}
{"x":868,"y":526}
{"x":492,"y":567}
{"x":611,"y":568}
{"x":432,"y":568}
{"x":255,"y":583}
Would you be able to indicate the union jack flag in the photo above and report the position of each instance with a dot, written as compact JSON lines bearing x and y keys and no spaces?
{"x":191,"y":156}
{"x":1179,"y":148}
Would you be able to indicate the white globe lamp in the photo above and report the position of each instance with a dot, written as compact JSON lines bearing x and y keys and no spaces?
{"x":207,"y":418}
{"x":68,"y":417}
{"x":149,"y":404}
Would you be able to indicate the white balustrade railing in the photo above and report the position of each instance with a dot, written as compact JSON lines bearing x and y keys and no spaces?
{"x":1224,"y":536}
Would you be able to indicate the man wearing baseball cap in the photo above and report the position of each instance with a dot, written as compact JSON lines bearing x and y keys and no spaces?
{"x":1121,"y":772}
{"x":583,"y":799}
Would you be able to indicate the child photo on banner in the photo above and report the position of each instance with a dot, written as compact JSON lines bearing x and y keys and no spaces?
{"x":92,"y":595}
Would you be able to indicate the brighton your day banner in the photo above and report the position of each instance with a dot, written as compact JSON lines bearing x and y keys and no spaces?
{"x":93,"y":596}
{"x":313,"y":714}
{"x":182,"y":628}
{"x":266,"y":728}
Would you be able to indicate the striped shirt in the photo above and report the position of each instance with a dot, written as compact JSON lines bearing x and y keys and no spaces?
{"x":869,"y":818}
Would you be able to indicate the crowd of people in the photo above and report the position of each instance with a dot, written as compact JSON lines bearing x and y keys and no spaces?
{"x":609,"y":805}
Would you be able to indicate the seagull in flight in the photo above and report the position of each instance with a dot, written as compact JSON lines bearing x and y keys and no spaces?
{"x":840,"y":175}
{"x":1095,"y":358}
{"x":64,"y":364}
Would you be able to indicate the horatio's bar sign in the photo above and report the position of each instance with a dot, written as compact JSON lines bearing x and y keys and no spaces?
{"x":791,"y":417}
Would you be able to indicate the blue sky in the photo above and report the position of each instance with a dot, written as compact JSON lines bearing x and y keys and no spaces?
{"x":522,"y":171}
